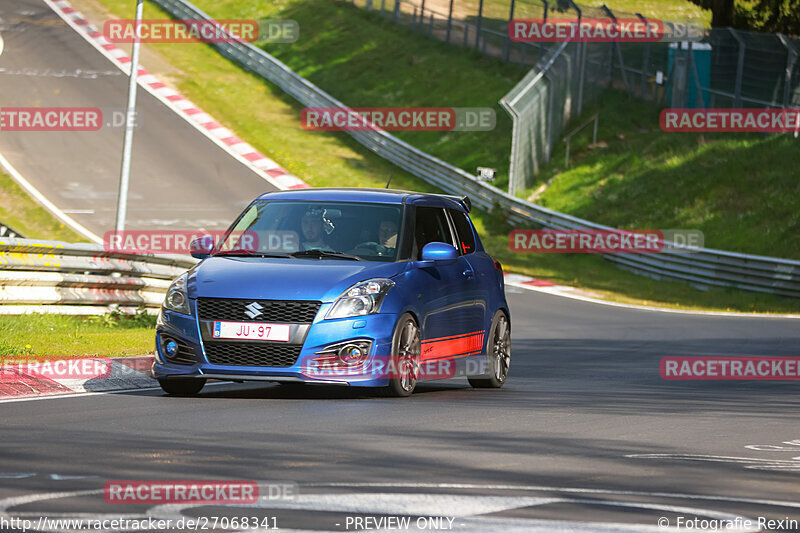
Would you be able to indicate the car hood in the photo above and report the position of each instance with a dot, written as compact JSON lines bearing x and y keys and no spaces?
{"x":282,"y":279}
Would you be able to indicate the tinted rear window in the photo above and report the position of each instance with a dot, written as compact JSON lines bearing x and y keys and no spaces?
{"x":466,"y":238}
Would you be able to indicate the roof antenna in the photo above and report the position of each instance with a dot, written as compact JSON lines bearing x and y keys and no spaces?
{"x":390,"y":179}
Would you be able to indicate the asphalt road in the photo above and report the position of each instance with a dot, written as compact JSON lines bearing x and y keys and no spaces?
{"x":568,"y":443}
{"x":179,"y":180}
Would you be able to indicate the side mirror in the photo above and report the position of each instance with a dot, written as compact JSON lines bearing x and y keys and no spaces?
{"x":201,"y":248}
{"x":439,"y":252}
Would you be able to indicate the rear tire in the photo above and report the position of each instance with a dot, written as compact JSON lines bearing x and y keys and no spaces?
{"x":498,"y":356}
{"x":182,"y":386}
{"x":406,"y":351}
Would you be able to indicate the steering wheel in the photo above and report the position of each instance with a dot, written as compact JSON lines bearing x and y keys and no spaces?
{"x":375,"y":248}
{"x":369,"y":245}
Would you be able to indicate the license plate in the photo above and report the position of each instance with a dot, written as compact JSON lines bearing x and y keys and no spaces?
{"x":251,"y":331}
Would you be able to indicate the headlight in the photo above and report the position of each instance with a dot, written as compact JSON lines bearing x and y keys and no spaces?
{"x":363,"y":298}
{"x":176,"y":299}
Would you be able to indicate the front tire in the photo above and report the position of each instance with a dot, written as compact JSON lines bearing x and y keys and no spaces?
{"x":406,"y":351}
{"x":498,"y":357}
{"x":182,"y":387}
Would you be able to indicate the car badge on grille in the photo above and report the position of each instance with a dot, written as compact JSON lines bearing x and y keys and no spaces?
{"x":253,"y":310}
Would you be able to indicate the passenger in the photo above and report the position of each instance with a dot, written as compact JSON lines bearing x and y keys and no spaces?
{"x":387,"y":234}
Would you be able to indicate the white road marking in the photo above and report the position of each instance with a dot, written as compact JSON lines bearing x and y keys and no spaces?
{"x":47,"y":204}
{"x":465,"y":508}
{"x":419,"y":504}
{"x":794,"y":446}
{"x":84,"y":394}
{"x":569,"y":490}
{"x":749,"y":462}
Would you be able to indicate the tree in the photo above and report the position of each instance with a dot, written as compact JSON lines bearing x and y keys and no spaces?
{"x":722,"y":11}
{"x":776,"y":16}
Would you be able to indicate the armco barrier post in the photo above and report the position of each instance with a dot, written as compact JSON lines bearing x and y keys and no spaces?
{"x":737,"y":91}
{"x":791,"y":58}
{"x":581,"y":74}
{"x":507,"y":39}
{"x":548,"y":146}
{"x":645,"y":66}
{"x":478,"y":25}
{"x":449,"y":21}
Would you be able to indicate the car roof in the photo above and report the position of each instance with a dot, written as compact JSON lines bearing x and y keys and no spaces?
{"x":358,"y":194}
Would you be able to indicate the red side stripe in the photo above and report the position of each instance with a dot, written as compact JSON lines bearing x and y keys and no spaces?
{"x":451,"y":347}
{"x":452,"y":336}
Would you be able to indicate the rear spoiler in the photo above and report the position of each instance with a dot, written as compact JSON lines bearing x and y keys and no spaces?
{"x":463,"y":200}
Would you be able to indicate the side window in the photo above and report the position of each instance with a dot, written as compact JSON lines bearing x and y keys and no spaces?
{"x":465,"y":237}
{"x":431,"y":226}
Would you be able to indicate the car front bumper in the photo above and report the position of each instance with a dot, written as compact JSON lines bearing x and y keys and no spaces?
{"x":192,"y":360}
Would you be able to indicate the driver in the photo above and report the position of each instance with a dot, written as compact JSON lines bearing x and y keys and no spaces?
{"x":313,"y":223}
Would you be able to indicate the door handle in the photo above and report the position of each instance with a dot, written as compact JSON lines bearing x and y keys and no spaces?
{"x":468,"y":274}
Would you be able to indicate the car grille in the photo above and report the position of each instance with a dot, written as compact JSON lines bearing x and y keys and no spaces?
{"x":252,"y":353}
{"x":297,"y":311}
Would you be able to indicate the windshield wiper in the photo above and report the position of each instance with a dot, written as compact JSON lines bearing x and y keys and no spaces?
{"x":249,"y":253}
{"x":314,"y":252}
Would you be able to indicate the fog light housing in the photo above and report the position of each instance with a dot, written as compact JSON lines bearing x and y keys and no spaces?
{"x":353,"y":354}
{"x":348,"y":353}
{"x":171,"y":347}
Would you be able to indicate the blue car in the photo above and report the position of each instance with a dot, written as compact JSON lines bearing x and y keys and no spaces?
{"x":360,"y":287}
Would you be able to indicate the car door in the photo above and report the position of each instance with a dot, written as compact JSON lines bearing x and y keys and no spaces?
{"x":451,"y":322}
{"x":479,"y":265}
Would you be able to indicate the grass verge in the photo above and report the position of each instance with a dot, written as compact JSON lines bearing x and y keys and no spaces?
{"x":55,"y":336}
{"x":19,"y":211}
{"x":740,"y":190}
{"x":367,"y":61}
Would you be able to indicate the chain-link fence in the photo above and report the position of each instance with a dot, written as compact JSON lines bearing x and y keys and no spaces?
{"x":725,"y":68}
{"x":465,"y":23}
{"x":728,"y":68}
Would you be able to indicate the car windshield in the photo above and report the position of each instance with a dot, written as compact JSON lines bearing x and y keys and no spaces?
{"x":316,"y":230}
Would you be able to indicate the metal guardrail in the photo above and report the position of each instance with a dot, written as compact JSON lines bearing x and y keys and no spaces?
{"x":51,"y":273}
{"x":706,"y":267}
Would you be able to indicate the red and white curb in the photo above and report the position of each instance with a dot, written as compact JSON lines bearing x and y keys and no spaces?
{"x":203,"y":122}
{"x":51,"y":378}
